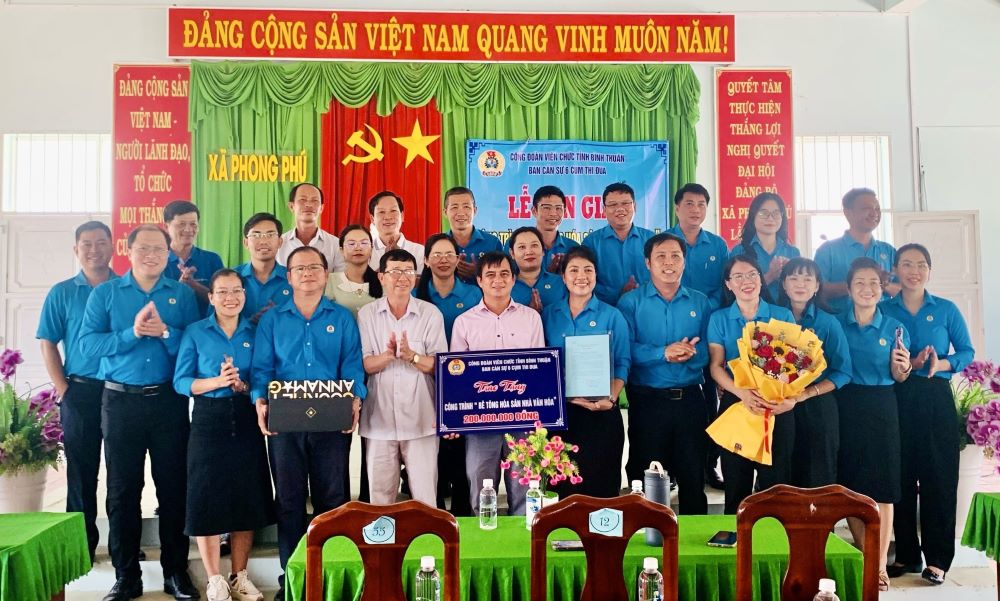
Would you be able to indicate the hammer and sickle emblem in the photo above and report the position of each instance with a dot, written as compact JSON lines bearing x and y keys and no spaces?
{"x":357,"y":140}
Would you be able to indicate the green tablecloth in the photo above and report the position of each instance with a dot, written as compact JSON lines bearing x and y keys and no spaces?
{"x":495,"y":565}
{"x":982,"y":529}
{"x":40,"y":553}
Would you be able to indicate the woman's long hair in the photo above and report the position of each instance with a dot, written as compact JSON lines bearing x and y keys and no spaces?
{"x":424,"y":284}
{"x":370,"y":277}
{"x":750,"y":227}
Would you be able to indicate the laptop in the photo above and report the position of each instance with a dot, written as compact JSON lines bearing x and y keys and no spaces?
{"x":310,"y":405}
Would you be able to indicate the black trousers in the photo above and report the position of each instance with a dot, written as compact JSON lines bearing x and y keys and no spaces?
{"x":668,"y":425}
{"x":930,"y":440}
{"x":817,"y":442}
{"x":134,"y":424}
{"x":452,"y":481}
{"x":711,"y":391}
{"x":305,"y":465}
{"x":600,"y":436}
{"x":80,"y":414}
{"x":738,"y":471}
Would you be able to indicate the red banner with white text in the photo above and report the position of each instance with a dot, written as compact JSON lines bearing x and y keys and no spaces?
{"x":450,"y":36}
{"x":152,"y":148}
{"x":755,"y":144}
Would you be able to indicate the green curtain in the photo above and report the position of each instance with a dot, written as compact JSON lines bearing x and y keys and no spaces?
{"x":272,"y":107}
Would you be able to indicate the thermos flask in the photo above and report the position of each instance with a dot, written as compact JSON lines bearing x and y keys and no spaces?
{"x":656,"y":486}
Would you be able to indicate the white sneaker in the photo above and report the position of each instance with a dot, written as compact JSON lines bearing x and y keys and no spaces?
{"x":218,"y":589}
{"x":242,"y":589}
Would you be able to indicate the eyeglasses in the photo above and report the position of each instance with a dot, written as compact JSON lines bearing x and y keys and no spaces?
{"x":446,"y":255}
{"x":262,"y":235}
{"x":357,"y":244}
{"x":750,"y":276}
{"x":224,"y":292}
{"x":552,"y":208}
{"x":775,"y":214}
{"x":398,"y":273}
{"x":150,"y":251}
{"x":611,"y":206}
{"x":301,"y":269}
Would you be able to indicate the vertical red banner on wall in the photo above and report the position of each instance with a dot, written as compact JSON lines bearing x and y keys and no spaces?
{"x":152,"y":147}
{"x":754,"y":142}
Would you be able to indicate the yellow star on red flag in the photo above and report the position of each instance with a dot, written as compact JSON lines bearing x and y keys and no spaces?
{"x":416,"y":144}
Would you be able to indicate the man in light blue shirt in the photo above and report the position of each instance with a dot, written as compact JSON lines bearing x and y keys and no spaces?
{"x":548,"y":206}
{"x":834,"y":257}
{"x":186,"y":262}
{"x":618,"y":246}
{"x":134,"y":324}
{"x":264,"y":279}
{"x":460,"y":209}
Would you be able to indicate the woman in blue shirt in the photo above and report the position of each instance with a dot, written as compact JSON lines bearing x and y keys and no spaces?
{"x":742,"y":302}
{"x":869,"y":424}
{"x":228,"y":483}
{"x":817,"y":423}
{"x":595,"y":424}
{"x":534,"y":286}
{"x":765,"y":238}
{"x":452,"y":296}
{"x":940,"y":346}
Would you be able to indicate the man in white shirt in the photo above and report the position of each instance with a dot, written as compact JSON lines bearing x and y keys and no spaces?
{"x":305,"y":201}
{"x":386,"y":212}
{"x":400,"y":336}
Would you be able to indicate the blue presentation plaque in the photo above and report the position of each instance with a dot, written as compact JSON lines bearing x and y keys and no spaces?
{"x":499,"y":391}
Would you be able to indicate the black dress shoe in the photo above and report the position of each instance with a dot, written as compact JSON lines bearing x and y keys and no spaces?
{"x":896,"y":570}
{"x":931,"y":576}
{"x":180,"y":586}
{"x":125,"y":589}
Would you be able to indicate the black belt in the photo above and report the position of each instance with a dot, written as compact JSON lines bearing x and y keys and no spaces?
{"x":154,"y":390}
{"x":672,"y":394}
{"x":85,"y":380}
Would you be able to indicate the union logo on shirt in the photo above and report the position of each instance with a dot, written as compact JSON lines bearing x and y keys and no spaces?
{"x":330,"y":329}
{"x":172,"y":301}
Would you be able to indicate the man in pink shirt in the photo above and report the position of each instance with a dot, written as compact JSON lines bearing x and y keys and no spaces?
{"x":497,"y":322}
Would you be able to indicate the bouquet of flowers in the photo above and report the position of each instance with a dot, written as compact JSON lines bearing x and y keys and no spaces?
{"x":537,"y":457}
{"x":30,"y":431}
{"x":976,"y":391}
{"x":779,"y":360}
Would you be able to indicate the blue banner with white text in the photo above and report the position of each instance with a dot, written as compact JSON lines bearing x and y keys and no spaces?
{"x":504,"y":176}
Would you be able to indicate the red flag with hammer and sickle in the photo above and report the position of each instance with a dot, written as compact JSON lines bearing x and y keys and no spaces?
{"x":365,"y":153}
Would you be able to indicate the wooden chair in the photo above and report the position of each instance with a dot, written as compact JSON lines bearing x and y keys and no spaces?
{"x":605,"y":579}
{"x":808,"y":515}
{"x":382,"y":562}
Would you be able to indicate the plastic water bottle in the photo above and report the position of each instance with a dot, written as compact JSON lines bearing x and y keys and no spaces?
{"x":637,"y":488}
{"x":488,"y":506}
{"x":827,"y":590}
{"x":650,"y":581}
{"x":428,"y":585}
{"x":532,"y":503}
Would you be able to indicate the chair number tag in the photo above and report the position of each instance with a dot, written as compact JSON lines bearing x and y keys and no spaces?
{"x":606,"y":521}
{"x":380,"y":532}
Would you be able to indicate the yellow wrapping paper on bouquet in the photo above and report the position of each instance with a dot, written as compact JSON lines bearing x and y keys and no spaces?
{"x":740,"y":430}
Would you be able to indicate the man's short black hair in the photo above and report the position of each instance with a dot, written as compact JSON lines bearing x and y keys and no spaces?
{"x":259,"y":218}
{"x":373,"y":201}
{"x":455,"y":192}
{"x":491,"y":259}
{"x":295,"y":188}
{"x":146,"y":227}
{"x":853,"y":194}
{"x":302,"y":249}
{"x":698,"y":189}
{"x":396,"y":254}
{"x":546,"y":191}
{"x":619,"y":187}
{"x":176,"y":208}
{"x":91,"y":226}
{"x":659,"y":239}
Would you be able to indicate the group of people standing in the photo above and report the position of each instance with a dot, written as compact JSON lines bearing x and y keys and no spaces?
{"x":372,"y":307}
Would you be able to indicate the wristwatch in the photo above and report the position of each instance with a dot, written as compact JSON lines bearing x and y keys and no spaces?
{"x":165,"y":334}
{"x":415,"y":358}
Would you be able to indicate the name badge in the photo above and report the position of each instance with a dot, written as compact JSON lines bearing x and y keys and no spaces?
{"x":380,"y":532}
{"x":607,"y":522}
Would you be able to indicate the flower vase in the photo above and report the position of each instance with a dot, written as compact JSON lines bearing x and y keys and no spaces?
{"x":970,"y":463}
{"x":549,"y":498}
{"x":22,"y":492}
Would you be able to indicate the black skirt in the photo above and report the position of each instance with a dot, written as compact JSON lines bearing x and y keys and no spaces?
{"x":869,"y":457}
{"x":229,"y":485}
{"x":600,"y":436}
{"x":817,"y":440}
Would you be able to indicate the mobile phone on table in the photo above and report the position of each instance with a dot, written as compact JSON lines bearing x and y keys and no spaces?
{"x":723,"y":538}
{"x":567,"y":545}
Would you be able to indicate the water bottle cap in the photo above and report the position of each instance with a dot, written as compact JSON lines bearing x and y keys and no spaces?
{"x":533,"y":485}
{"x":427,"y":563}
{"x":827,"y":585}
{"x":637,"y":485}
{"x":649,"y":564}
{"x":488,"y":483}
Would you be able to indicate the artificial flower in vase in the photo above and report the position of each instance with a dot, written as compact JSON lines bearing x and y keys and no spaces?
{"x":30,"y":439}
{"x":538,"y":457}
{"x":974,"y":389}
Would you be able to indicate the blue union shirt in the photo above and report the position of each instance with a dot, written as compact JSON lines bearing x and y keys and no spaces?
{"x":461,"y":298}
{"x":703,"y":263}
{"x":726,"y":325}
{"x":871,"y":347}
{"x":939,"y":324}
{"x":597,"y":317}
{"x":835,"y":256}
{"x":206,"y":263}
{"x":781,"y":249}
{"x":829,"y":331}
{"x":655,"y":323}
{"x":205,"y":347}
{"x":326,"y":346}
{"x":561,"y":246}
{"x":480,"y":243}
{"x":275,"y":290}
{"x":618,"y":260}
{"x":550,"y":287}
{"x":60,"y":321}
{"x":107,"y":329}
